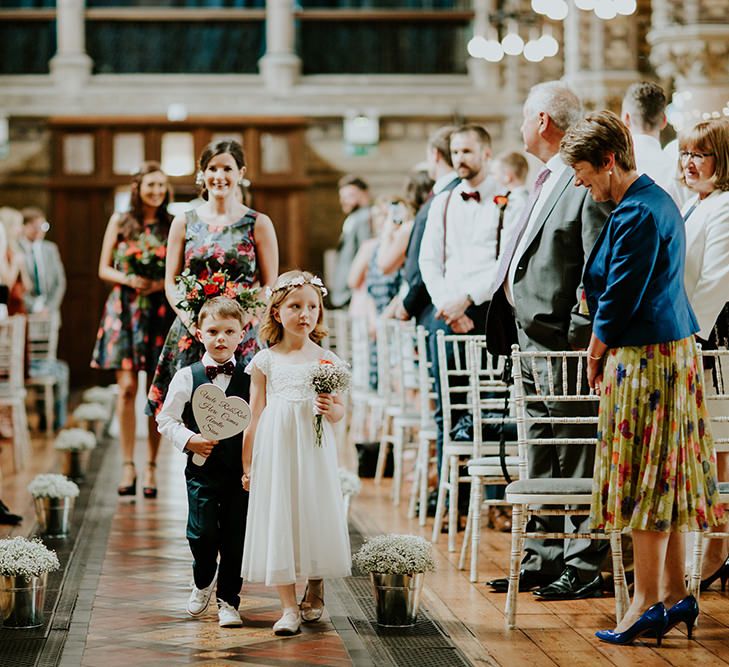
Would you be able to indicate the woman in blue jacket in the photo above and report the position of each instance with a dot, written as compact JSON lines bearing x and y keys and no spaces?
{"x":655,"y":469}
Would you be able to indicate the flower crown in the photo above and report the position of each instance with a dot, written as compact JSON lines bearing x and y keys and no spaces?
{"x":298,"y":281}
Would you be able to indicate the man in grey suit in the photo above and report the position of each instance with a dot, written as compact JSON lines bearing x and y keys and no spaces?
{"x":48,"y":280}
{"x":43,"y":260}
{"x":536,"y":303}
{"x":354,"y":198}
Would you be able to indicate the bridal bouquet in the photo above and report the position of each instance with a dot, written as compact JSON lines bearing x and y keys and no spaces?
{"x":198,"y":288}
{"x":327,"y":378}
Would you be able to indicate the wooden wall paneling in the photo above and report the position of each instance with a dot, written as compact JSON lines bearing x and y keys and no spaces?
{"x":81,"y":216}
{"x":252,"y":148}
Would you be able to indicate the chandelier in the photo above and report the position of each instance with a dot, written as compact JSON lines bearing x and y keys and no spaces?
{"x":557,"y":10}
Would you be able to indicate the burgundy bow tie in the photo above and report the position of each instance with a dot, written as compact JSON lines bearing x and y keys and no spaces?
{"x":213,"y":371}
{"x":475,"y":195}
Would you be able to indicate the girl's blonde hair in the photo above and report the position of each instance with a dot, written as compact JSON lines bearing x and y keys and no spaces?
{"x":270,"y":330}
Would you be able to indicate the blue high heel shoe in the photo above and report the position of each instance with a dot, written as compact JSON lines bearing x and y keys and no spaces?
{"x":684,"y":611}
{"x":653,"y":621}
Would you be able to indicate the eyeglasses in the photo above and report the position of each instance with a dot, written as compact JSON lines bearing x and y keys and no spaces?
{"x":697,"y":158}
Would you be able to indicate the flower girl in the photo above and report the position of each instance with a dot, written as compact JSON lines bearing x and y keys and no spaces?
{"x":296,"y":524}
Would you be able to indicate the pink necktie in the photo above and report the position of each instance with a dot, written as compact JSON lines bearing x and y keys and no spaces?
{"x":508,"y":254}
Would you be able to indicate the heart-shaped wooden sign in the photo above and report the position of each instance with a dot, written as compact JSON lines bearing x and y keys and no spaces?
{"x":218,"y":416}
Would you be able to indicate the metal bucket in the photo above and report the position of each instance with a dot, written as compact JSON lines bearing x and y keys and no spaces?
{"x":22,"y":600}
{"x":54,"y":515}
{"x":74,"y":465}
{"x":397,"y":598}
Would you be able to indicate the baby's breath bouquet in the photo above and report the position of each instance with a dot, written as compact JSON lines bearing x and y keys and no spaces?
{"x":20,"y":557}
{"x":75,"y":439}
{"x":327,"y":378}
{"x":351,"y":484}
{"x":395,"y":554}
{"x":90,"y":412}
{"x":53,"y":486}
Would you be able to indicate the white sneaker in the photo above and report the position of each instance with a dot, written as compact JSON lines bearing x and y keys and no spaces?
{"x":228,"y":616}
{"x":289,"y":624}
{"x":199,"y":599}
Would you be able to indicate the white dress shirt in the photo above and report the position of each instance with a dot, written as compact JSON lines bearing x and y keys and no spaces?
{"x":470,"y":245}
{"x":441,"y":182}
{"x":179,"y":393}
{"x":556,"y":167}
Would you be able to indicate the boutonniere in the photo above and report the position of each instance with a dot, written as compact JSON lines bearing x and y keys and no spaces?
{"x":501,"y":200}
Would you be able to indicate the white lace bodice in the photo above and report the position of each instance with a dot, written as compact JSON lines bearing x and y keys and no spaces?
{"x":285,"y":379}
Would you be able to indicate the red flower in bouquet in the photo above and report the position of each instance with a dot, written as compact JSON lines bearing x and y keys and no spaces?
{"x":211,"y":289}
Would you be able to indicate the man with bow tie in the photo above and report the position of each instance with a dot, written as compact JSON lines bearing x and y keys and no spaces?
{"x":457,"y":254}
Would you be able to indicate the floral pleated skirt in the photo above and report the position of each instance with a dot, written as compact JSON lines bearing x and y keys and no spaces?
{"x":655,"y":465}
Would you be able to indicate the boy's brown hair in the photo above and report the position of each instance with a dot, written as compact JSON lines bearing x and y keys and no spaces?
{"x":223,"y":308}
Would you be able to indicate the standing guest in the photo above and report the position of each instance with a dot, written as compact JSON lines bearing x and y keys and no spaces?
{"x":16,"y":274}
{"x":510,"y":169}
{"x":296,"y":523}
{"x":416,"y":301}
{"x":704,"y":159}
{"x":656,"y":468}
{"x":43,"y":263}
{"x":45,"y":268}
{"x":221,"y":234}
{"x":458,"y":250}
{"x":354,"y":198}
{"x":217,"y":502}
{"x":136,"y":315}
{"x":537,"y":285}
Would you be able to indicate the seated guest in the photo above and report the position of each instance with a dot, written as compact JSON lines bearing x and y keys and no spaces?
{"x":704,"y":161}
{"x":655,"y":467}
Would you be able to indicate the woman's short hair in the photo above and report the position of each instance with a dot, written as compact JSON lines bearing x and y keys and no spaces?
{"x":270,"y":330}
{"x":709,"y":136}
{"x":593,"y":138}
{"x":221,"y":308}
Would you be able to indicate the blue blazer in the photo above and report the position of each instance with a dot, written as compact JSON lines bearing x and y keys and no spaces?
{"x":633,"y":279}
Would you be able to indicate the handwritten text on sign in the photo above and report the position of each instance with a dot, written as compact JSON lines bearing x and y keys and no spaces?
{"x":218,"y":416}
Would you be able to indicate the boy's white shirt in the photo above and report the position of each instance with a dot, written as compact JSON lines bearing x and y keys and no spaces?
{"x":179,"y":393}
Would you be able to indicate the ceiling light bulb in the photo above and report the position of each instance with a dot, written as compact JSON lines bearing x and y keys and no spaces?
{"x":533,"y":51}
{"x":558,"y":10}
{"x":625,"y":7}
{"x":477,"y":46}
{"x":540,"y":6}
{"x":550,"y":46}
{"x":605,"y":10}
{"x":512,"y":44}
{"x":493,"y":52}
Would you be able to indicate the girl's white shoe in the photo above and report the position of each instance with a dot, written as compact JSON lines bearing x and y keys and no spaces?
{"x":310,"y":614}
{"x":289,"y":624}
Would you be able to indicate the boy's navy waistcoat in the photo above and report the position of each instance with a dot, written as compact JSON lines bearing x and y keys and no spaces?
{"x":225,"y":461}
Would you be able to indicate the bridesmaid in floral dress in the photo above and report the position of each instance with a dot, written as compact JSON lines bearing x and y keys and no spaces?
{"x":136,"y":315}
{"x":220,"y":233}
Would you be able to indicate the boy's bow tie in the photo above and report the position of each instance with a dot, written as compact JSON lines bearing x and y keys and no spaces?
{"x":475,"y":195}
{"x":213,"y":371}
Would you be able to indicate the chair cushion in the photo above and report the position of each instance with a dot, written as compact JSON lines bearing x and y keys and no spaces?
{"x":494,"y":461}
{"x":557,"y":486}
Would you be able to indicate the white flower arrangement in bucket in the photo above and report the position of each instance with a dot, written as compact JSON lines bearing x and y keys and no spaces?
{"x":24,"y":566}
{"x":74,"y":442}
{"x":54,"y":497}
{"x":93,"y":415}
{"x":397,"y":565}
{"x":351,"y":486}
{"x":103,"y":395}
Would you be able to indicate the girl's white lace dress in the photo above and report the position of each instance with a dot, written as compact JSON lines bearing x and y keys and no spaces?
{"x":296,"y":526}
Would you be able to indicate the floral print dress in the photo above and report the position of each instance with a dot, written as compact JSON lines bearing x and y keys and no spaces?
{"x":208,"y":249}
{"x":133,"y":327}
{"x":655,"y":466}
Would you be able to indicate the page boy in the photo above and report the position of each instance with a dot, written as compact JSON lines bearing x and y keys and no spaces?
{"x":217,"y":503}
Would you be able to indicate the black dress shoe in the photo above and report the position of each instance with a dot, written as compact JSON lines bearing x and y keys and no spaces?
{"x":528,"y":580}
{"x":7,"y":518}
{"x":569,"y":587}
